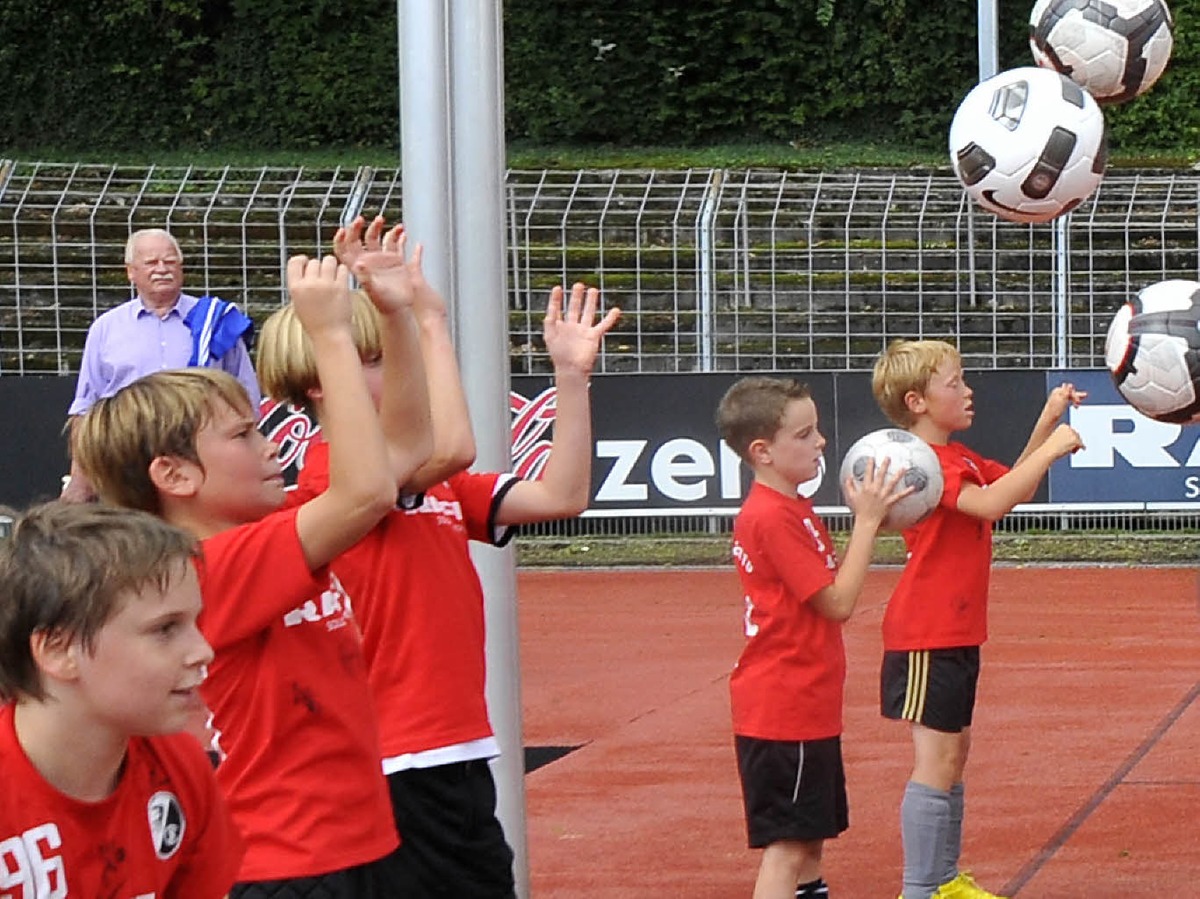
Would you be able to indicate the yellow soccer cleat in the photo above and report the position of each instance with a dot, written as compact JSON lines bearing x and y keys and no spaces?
{"x":963,"y":887}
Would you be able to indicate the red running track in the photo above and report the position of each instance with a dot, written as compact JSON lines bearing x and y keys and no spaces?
{"x":1083,"y":781}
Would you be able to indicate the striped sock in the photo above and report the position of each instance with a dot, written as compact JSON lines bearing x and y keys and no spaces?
{"x":815,"y":889}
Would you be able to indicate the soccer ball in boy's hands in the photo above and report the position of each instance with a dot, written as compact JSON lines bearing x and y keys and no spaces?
{"x":1115,"y":49}
{"x":1153,"y":351}
{"x":907,"y":451}
{"x":1028,"y":144}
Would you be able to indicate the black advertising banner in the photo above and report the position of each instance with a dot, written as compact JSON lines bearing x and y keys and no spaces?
{"x":656,"y":449}
{"x":33,"y":447}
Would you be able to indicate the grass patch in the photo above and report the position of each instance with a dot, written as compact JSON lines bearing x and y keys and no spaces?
{"x":798,"y":157}
{"x":704,"y":550}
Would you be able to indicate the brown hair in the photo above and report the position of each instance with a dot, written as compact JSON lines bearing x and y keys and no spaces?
{"x":65,"y":570}
{"x":158,"y":415}
{"x":753,"y":409}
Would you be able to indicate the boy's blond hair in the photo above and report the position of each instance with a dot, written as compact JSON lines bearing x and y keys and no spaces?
{"x":753,"y":409}
{"x":285,"y":364}
{"x":157,"y":415}
{"x":907,"y":365}
{"x":65,"y":571}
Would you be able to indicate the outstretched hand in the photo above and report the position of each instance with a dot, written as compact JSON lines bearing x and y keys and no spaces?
{"x":320,"y":293}
{"x":573,"y":336}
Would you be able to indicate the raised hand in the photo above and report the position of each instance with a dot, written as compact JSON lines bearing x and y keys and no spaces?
{"x":1061,"y":398}
{"x":351,"y":242}
{"x":573,"y":336}
{"x":320,"y":293}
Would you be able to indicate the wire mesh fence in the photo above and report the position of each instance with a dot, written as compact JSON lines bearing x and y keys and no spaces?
{"x":715,"y":270}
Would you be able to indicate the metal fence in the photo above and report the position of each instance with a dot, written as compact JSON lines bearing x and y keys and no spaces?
{"x":716,"y":270}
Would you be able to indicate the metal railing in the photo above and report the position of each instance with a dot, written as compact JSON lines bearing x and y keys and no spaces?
{"x":716,"y":270}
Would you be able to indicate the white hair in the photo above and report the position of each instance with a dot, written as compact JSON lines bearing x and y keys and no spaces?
{"x":131,"y":244}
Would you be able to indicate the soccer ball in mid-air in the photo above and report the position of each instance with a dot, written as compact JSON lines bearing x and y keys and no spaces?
{"x":1028,"y":144}
{"x":1153,"y":351}
{"x":1116,"y":49}
{"x":921,"y":470}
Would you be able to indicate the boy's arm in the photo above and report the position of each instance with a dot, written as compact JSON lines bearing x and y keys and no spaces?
{"x":360,"y":489}
{"x":870,"y":502}
{"x":425,"y":423}
{"x":1018,"y":485}
{"x":573,"y":341}
{"x":1059,"y":400}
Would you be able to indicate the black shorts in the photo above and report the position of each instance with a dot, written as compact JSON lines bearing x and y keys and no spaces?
{"x":451,"y":843}
{"x":933,"y":687}
{"x":792,"y":790}
{"x":374,"y":880}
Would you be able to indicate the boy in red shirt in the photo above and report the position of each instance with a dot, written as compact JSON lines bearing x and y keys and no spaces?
{"x":936,"y":619}
{"x":786,"y":688}
{"x":417,"y":592}
{"x":288,"y":686}
{"x":100,"y":661}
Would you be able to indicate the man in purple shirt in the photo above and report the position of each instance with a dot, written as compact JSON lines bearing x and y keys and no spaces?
{"x":146,"y":334}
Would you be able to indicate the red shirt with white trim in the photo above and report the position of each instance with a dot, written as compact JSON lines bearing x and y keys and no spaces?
{"x":164,"y":832}
{"x":420,"y":603}
{"x":789,"y":680}
{"x":290,"y":702}
{"x":941,"y":599}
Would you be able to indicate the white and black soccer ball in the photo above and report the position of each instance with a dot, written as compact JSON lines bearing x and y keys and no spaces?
{"x":1115,"y":49}
{"x":1153,"y":351}
{"x":1029,"y":144}
{"x":905,"y":450}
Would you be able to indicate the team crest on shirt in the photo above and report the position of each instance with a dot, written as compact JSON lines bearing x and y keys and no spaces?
{"x":167,"y":823}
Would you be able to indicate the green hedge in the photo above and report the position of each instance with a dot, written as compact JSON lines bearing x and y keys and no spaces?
{"x":133,"y":75}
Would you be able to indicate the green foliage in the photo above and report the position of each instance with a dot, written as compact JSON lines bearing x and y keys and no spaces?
{"x":115,"y":76}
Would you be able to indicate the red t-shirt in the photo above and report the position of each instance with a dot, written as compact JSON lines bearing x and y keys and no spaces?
{"x":289,"y":697}
{"x":164,"y":832}
{"x":419,"y":601}
{"x":940,"y":601}
{"x":788,"y":682}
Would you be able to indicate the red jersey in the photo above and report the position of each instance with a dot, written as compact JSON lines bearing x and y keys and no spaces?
{"x":419,"y":601}
{"x":940,"y":601}
{"x":288,"y":693}
{"x":788,"y":682}
{"x":164,"y":832}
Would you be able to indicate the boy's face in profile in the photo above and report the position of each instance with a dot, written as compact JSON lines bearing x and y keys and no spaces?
{"x":241,"y":479}
{"x":147,"y":661}
{"x":795,"y":450}
{"x":947,"y":399}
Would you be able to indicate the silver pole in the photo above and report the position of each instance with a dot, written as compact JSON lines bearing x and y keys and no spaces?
{"x":477,"y":121}
{"x":425,"y":138}
{"x":1062,"y":288}
{"x":989,"y":54}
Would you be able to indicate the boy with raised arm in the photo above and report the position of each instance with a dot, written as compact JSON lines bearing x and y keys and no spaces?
{"x":100,"y":665}
{"x":936,"y":618}
{"x":288,"y":687}
{"x":417,"y":592}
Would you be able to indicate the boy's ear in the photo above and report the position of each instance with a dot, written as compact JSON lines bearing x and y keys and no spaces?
{"x":55,"y":657}
{"x":759,"y":451}
{"x":315,"y":394}
{"x":914,"y":401}
{"x":175,"y":476}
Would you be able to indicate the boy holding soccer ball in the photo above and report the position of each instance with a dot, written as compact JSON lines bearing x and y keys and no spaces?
{"x":936,"y":619}
{"x":786,"y":688}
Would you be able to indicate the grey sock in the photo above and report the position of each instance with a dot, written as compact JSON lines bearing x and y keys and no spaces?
{"x":924,"y":828}
{"x":953,"y":849}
